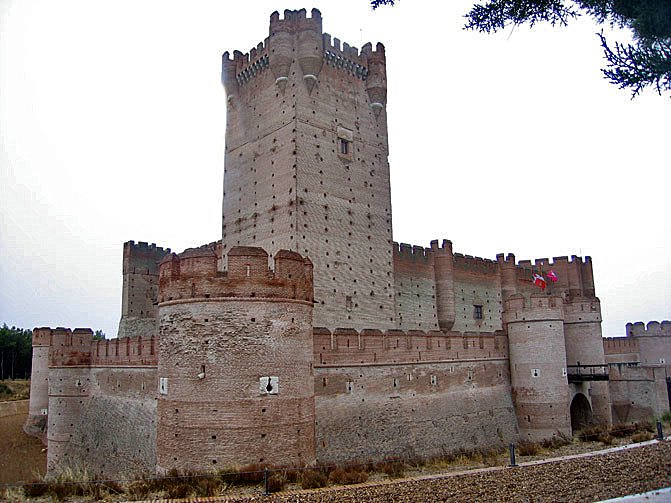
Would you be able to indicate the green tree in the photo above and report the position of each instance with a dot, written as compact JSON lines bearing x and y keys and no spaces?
{"x":636,"y":66}
{"x":16,"y":352}
{"x":99,"y":335}
{"x":645,"y":63}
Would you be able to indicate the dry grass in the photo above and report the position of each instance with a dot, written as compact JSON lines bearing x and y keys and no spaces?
{"x":18,"y":389}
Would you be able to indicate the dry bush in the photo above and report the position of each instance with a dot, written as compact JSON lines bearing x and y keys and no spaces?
{"x":312,"y":479}
{"x":276,"y":482}
{"x":346,"y":476}
{"x":138,"y":489}
{"x":606,"y":439}
{"x":642,"y":436}
{"x":35,"y":488}
{"x":491,"y":457}
{"x":292,"y":475}
{"x":393,"y":468}
{"x":592,"y":433}
{"x":623,"y":430}
{"x":557,"y":441}
{"x":250,"y":475}
{"x":527,"y":448}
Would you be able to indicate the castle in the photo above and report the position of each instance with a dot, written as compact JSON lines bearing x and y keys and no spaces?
{"x":306,"y":334}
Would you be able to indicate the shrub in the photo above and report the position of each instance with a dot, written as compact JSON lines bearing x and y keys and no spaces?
{"x":35,"y":488}
{"x":527,"y":448}
{"x":312,"y":479}
{"x":642,"y":436}
{"x":557,"y":441}
{"x":276,"y":482}
{"x":347,"y":476}
{"x":666,"y":417}
{"x":251,"y":475}
{"x":606,"y":439}
{"x":139,"y":489}
{"x":592,"y":433}
{"x":178,"y":490}
{"x":393,"y":469}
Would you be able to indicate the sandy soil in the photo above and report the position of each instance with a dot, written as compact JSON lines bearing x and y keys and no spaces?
{"x":21,"y":457}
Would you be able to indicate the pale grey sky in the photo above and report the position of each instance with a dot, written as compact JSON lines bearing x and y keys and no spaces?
{"x":112,"y":120}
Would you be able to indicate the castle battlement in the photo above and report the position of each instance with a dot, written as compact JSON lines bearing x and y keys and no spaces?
{"x":193,"y":274}
{"x":475,"y":264}
{"x":70,"y":347}
{"x":653,"y":328}
{"x":142,"y":258}
{"x":132,"y":351}
{"x":296,"y":20}
{"x":406,"y":251}
{"x":351,"y":347}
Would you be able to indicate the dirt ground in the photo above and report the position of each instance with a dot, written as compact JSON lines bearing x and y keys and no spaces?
{"x":21,"y":457}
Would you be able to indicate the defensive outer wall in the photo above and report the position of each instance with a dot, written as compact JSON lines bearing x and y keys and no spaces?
{"x":369,"y":349}
{"x":237,"y":373}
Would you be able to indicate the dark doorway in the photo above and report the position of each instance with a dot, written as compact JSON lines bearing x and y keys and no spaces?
{"x":581,"y":412}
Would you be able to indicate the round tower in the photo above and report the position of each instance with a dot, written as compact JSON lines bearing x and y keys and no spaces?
{"x":235,"y":361}
{"x":36,"y":424}
{"x":443,"y":263}
{"x":280,"y":47}
{"x":69,"y":391}
{"x":538,"y":365}
{"x":310,"y":47}
{"x":228,"y":74}
{"x":376,"y":82}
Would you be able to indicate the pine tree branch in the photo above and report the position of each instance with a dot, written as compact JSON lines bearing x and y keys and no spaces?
{"x":640,"y":66}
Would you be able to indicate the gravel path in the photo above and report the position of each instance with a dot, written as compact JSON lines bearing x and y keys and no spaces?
{"x":582,"y":479}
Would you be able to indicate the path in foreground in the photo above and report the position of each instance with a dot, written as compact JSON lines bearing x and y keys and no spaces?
{"x":585,"y":479}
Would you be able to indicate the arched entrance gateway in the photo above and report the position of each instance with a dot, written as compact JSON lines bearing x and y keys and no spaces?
{"x":581,"y":412}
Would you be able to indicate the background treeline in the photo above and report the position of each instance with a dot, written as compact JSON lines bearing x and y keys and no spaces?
{"x":16,"y":352}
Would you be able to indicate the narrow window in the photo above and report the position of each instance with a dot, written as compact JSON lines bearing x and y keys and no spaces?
{"x":344,"y":146}
{"x":477,"y":312}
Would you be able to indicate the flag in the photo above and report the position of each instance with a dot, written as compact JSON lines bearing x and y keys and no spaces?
{"x":553,"y":276}
{"x":539,"y":280}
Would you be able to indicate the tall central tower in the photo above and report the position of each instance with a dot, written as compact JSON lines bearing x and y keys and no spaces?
{"x":306,"y":165}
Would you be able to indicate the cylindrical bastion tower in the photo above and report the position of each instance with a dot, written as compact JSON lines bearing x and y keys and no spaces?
{"x":36,"y":424}
{"x":538,"y":365}
{"x":236,"y":383}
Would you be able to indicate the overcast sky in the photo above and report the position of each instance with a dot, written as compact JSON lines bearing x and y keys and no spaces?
{"x":112,"y":121}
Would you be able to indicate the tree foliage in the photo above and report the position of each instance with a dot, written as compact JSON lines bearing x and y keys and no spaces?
{"x":16,"y":352}
{"x":646,"y":62}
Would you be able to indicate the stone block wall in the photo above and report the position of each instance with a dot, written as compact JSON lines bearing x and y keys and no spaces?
{"x":637,"y":393}
{"x":419,"y":410}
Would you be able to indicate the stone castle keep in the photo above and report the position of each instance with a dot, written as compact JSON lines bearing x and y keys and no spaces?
{"x":306,"y":334}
